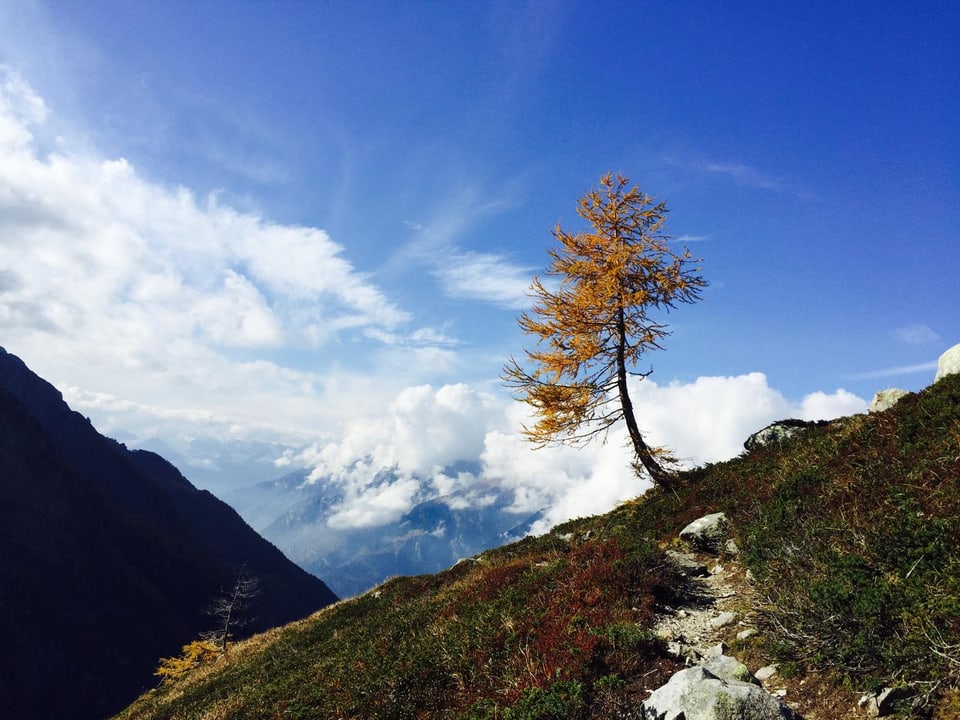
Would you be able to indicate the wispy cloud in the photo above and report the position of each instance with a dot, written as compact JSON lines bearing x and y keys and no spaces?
{"x":740,"y":173}
{"x":422,"y":337}
{"x":896,"y":371}
{"x":916,"y":334}
{"x":485,"y":277}
{"x":744,"y":175}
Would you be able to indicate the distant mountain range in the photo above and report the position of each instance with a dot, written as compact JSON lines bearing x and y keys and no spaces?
{"x":109,"y":558}
{"x":293,"y":513}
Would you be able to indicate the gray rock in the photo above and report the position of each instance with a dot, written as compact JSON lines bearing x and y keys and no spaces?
{"x":949,"y":363}
{"x":723,"y":619}
{"x":779,"y":432}
{"x":766,"y":672}
{"x":881,"y":704}
{"x":886,"y":399}
{"x":684,"y":652}
{"x":698,"y":694}
{"x":687,"y":564}
{"x":715,"y":651}
{"x":729,"y":668}
{"x":706,"y":533}
{"x":746,"y":634}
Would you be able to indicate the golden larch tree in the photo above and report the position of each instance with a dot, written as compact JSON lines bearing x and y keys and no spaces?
{"x":594,"y":323}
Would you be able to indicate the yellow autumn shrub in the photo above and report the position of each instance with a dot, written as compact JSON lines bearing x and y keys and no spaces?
{"x":194,"y":654}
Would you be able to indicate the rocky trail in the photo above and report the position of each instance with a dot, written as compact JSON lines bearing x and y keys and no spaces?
{"x":712,"y":629}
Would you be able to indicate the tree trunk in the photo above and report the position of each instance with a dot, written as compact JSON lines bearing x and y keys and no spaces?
{"x":661,"y":477}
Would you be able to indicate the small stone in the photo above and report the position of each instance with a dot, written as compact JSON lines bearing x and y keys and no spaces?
{"x":765,"y":673}
{"x":716,"y":569}
{"x":716,"y":651}
{"x":882,"y":703}
{"x":723,"y":619}
{"x":731,"y":547}
{"x":682,"y":652}
{"x":746,"y":634}
{"x":687,"y":564}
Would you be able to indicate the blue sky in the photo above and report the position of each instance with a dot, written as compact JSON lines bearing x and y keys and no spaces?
{"x":311,"y":225}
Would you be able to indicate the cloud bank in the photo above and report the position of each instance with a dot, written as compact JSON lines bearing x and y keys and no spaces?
{"x":159,"y":297}
{"x":425,"y":430}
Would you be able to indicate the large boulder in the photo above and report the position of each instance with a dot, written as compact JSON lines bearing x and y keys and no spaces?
{"x":698,"y":694}
{"x":886,"y":399}
{"x":949,"y":363}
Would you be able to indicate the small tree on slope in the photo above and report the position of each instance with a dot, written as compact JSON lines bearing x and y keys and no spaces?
{"x":593,"y":328}
{"x":231,"y":608}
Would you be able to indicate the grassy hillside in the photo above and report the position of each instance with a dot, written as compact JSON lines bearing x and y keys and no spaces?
{"x":851,"y":531}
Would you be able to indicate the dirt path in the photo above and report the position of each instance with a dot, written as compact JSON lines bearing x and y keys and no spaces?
{"x":719,"y":606}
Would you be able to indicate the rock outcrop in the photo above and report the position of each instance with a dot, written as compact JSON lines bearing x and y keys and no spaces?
{"x":886,"y":399}
{"x":779,"y":432}
{"x":949,"y":363}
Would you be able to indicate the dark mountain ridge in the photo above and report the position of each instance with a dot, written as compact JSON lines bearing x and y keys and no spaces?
{"x":111,"y":556}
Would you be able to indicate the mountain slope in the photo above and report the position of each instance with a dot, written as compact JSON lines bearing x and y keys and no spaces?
{"x":110,"y":557}
{"x":849,"y":529}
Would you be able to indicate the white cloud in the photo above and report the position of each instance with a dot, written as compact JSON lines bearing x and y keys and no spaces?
{"x":118,"y":284}
{"x":486,"y":277}
{"x":916,"y":334}
{"x":703,"y":421}
{"x":377,"y":505}
{"x":423,"y":430}
{"x":821,"y":406}
{"x":22,"y":107}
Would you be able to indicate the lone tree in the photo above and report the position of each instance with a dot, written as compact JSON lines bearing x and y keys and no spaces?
{"x":231,"y":608}
{"x":594,"y":326}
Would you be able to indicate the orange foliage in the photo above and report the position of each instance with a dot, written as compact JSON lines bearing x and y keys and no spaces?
{"x":195,"y":654}
{"x":593,"y":325}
